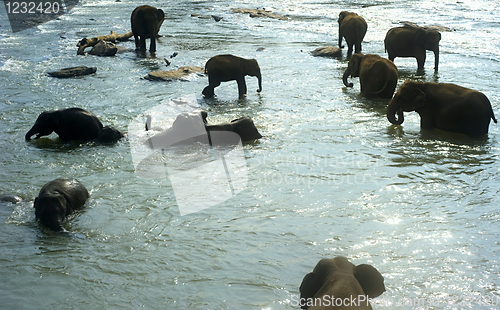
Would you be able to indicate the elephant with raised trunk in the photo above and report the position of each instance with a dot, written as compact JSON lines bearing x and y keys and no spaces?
{"x":224,"y":68}
{"x":57,"y":200}
{"x":337,"y":279}
{"x":73,"y":124}
{"x":146,"y":22}
{"x":353,"y":28}
{"x":413,"y":42}
{"x":448,"y":107}
{"x":377,"y":76}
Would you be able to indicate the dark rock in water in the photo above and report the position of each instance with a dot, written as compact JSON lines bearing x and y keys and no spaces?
{"x":72,"y":72}
{"x":173,"y":75}
{"x":259,"y":13}
{"x":103,"y":48}
{"x":10,"y":198}
{"x":216,"y":18}
{"x":327,"y":51}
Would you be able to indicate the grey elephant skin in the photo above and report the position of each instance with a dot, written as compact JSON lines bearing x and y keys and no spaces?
{"x":353,"y":28}
{"x":224,"y":68}
{"x":378,"y":76}
{"x":146,"y":22}
{"x":444,"y":106}
{"x":342,"y":281}
{"x":413,"y":42}
{"x":57,"y":200}
{"x":73,"y":124}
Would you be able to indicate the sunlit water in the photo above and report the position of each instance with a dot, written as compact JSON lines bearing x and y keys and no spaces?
{"x":330,"y":177}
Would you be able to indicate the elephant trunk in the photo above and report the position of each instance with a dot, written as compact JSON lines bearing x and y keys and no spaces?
{"x":259,"y":77}
{"x":436,"y":59}
{"x":347,"y":72}
{"x":391,"y":114}
{"x":30,"y":133}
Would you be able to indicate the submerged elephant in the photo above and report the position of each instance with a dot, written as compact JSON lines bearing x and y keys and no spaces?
{"x":353,"y":28}
{"x":377,"y":76}
{"x":223,"y":68}
{"x":448,"y":107}
{"x":193,"y":127}
{"x":338,"y":284}
{"x":57,"y":200}
{"x":10,"y":198}
{"x":146,"y":22}
{"x":413,"y":42}
{"x":73,"y":124}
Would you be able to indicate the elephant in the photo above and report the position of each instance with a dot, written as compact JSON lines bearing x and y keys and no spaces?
{"x":223,"y":68}
{"x":353,"y":28}
{"x":413,"y":42}
{"x":73,"y":124}
{"x":57,"y":200}
{"x":339,"y":284}
{"x":146,"y":22}
{"x":377,"y":76}
{"x":192,"y":127}
{"x":444,"y":106}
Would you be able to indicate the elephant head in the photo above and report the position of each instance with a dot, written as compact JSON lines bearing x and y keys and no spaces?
{"x":352,"y":68}
{"x":408,"y":98}
{"x":430,"y":41}
{"x":340,"y":278}
{"x":44,"y":125}
{"x":50,"y":210}
{"x":252,"y":69}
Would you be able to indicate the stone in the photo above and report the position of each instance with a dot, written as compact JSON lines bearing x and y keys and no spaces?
{"x":327,"y":51}
{"x":173,"y":75}
{"x":72,"y":72}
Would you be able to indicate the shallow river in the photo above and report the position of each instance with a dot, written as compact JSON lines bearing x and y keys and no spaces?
{"x":330,"y":177}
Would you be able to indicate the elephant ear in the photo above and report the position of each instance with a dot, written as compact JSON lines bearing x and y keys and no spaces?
{"x":415,"y":98}
{"x":370,"y":280}
{"x":160,"y":15}
{"x":355,"y":63}
{"x":420,"y":37}
{"x":310,"y":286}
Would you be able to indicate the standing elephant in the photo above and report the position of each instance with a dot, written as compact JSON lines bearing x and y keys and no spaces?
{"x":413,"y":42}
{"x":57,"y":200}
{"x":377,"y":76}
{"x":352,"y":27}
{"x":146,"y":22}
{"x":338,"y":284}
{"x":73,"y":124}
{"x":223,"y":68}
{"x":448,"y":107}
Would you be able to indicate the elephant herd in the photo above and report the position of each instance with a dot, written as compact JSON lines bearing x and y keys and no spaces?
{"x":444,"y":106}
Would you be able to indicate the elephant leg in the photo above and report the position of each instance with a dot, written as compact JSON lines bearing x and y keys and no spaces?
{"x":349,"y":49}
{"x":242,"y":86}
{"x":208,"y":91}
{"x":152,"y":46}
{"x":357,"y":47}
{"x":143,"y":42}
{"x":137,"y":42}
{"x":421,"y":61}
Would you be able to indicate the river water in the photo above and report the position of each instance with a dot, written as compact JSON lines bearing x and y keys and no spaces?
{"x":331,"y":176}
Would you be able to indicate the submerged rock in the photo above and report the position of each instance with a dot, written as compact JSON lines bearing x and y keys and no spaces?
{"x":259,"y":13}
{"x":173,"y":75}
{"x":327,"y":51}
{"x":72,"y":72}
{"x":103,"y":48}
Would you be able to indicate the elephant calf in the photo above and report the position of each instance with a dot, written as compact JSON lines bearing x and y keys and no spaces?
{"x":193,"y":127}
{"x":73,"y":124}
{"x":146,"y":22}
{"x":353,"y":28}
{"x":338,"y":284}
{"x":413,"y":42}
{"x":378,"y":76}
{"x":223,"y":68}
{"x":444,"y":106}
{"x":57,"y":200}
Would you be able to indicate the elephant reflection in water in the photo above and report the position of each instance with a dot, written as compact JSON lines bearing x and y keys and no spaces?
{"x":410,"y":41}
